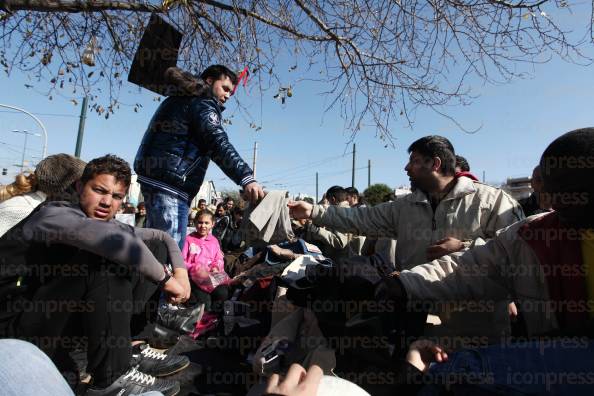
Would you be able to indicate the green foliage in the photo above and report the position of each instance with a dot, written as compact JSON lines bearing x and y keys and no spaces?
{"x":377,"y":193}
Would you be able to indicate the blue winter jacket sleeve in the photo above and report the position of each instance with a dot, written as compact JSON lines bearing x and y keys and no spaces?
{"x":214,"y":140}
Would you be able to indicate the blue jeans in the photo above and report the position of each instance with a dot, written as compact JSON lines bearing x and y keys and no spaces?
{"x":26,"y":370}
{"x":166,"y":212}
{"x":556,"y":366}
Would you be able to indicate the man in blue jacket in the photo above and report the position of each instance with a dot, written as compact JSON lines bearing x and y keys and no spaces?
{"x":185,"y":133}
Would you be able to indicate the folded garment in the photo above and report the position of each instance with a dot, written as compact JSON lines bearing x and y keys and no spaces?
{"x":269,"y":222}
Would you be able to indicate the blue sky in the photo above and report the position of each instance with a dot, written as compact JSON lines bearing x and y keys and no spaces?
{"x":518,"y":121}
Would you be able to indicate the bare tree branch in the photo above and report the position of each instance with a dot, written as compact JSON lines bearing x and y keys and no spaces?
{"x":376,"y":61}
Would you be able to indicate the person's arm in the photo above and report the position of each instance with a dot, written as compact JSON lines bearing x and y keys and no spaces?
{"x":218,"y":258}
{"x":176,"y":258}
{"x":297,"y":382}
{"x":477,"y":274}
{"x":331,"y":238}
{"x":69,"y":226}
{"x":174,"y":254}
{"x":505,"y":212}
{"x":377,"y":221}
{"x":208,"y":131}
{"x":502,"y":212}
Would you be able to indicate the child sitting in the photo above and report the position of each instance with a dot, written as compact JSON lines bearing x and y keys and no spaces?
{"x":204,"y":261}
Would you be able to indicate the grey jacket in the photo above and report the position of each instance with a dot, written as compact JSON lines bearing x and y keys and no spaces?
{"x":66,"y":224}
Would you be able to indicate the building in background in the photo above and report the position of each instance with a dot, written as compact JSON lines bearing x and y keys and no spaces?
{"x":207,"y":191}
{"x":518,"y":187}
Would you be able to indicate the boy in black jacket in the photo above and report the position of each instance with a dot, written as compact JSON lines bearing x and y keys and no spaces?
{"x":71,"y":274}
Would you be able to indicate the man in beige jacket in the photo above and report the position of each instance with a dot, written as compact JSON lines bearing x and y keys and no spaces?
{"x":443,"y":215}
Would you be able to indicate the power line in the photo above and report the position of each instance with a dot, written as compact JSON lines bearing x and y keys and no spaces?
{"x":300,"y":169}
{"x":310,"y":176}
{"x":42,"y":114}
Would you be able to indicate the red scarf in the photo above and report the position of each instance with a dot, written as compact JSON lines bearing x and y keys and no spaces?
{"x":466,"y":174}
{"x":559,"y":252}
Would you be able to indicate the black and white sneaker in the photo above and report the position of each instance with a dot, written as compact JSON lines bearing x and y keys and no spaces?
{"x":153,"y":362}
{"x":134,"y":382}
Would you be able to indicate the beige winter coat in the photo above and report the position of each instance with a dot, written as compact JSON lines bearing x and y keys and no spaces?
{"x":469,"y":211}
{"x":503,"y":269}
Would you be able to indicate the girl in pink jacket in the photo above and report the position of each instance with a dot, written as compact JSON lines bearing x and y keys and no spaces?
{"x":203,"y":256}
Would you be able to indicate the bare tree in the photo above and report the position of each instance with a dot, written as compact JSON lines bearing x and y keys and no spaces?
{"x":376,"y":60}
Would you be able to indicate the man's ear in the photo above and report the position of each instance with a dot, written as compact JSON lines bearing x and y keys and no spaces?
{"x":79,"y":187}
{"x":209,"y":80}
{"x":436,"y":164}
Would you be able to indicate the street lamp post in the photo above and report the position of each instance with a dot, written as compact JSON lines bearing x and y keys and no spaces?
{"x":36,"y":120}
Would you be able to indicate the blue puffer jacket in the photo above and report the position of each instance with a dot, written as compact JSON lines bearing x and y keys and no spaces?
{"x":183,"y":136}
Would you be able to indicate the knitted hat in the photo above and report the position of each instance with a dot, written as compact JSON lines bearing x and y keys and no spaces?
{"x":56,"y":173}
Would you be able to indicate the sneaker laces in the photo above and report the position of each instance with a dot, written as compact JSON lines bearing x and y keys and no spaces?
{"x":153,"y":354}
{"x":144,"y":379}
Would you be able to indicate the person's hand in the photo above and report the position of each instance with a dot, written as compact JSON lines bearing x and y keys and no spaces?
{"x":253,"y":193}
{"x":297,"y":382}
{"x":303,"y":222}
{"x":512,"y":310}
{"x":422,"y":353}
{"x":174,"y":290}
{"x":181,"y":276}
{"x":444,"y":246}
{"x":300,"y":210}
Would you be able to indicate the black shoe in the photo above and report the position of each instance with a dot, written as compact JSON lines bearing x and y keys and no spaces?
{"x":153,"y":362}
{"x":182,"y":319}
{"x":163,"y":337}
{"x":134,"y":382}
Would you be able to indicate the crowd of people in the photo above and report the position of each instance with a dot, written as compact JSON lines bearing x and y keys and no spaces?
{"x":454,"y":288}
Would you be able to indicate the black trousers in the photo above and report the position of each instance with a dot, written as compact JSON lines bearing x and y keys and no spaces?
{"x":92,"y":306}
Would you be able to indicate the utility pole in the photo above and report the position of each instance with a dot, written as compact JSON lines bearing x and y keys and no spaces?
{"x":368,"y":173}
{"x":255,"y":157}
{"x":81,"y":127}
{"x":26,"y":133}
{"x":24,"y":151}
{"x":353,"y":178}
{"x":483,"y":176}
{"x":317,"y":200}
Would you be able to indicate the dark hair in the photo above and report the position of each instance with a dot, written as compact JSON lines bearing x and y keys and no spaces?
{"x":205,"y":212}
{"x":236,"y":211}
{"x":229,"y":198}
{"x":141,"y":205}
{"x":437,"y":146}
{"x":309,"y":200}
{"x":108,"y":165}
{"x":201,"y":200}
{"x":351,"y":191}
{"x":462,"y":163}
{"x":568,"y":162}
{"x":338,"y":193}
{"x":217,"y":71}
